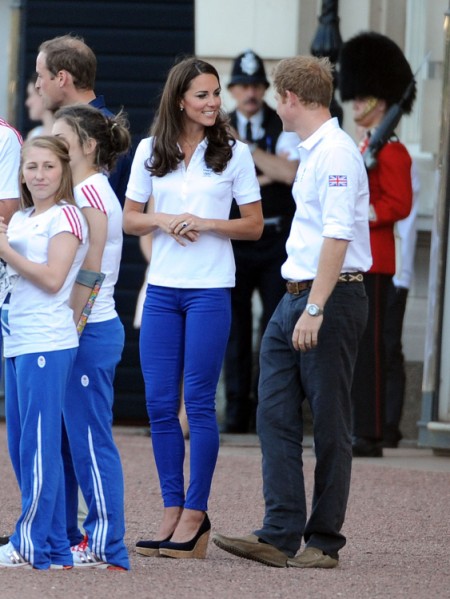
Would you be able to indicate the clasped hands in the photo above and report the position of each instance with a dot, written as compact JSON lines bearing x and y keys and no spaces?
{"x":184,"y":227}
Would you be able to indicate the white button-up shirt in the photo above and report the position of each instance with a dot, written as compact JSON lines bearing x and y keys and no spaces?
{"x":332,"y":198}
{"x":197,"y":189}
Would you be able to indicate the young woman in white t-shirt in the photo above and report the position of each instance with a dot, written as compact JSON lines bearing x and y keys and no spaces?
{"x":95,"y":142}
{"x":193,"y":168}
{"x":44,"y":246}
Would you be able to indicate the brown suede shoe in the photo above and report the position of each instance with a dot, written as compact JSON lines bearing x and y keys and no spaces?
{"x":312,"y":558}
{"x":250,"y":547}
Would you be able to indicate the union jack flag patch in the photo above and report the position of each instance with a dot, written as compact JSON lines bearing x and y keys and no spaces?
{"x":337,"y":181}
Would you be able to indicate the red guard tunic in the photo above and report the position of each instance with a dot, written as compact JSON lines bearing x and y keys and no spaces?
{"x":390,"y":200}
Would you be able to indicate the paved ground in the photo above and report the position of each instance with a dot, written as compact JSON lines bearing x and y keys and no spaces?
{"x":398,"y":530}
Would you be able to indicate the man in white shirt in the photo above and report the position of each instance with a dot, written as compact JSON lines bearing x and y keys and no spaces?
{"x":311,"y":342}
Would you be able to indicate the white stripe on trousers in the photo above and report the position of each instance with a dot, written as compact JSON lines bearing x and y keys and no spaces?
{"x":26,"y":543}
{"x":98,"y":542}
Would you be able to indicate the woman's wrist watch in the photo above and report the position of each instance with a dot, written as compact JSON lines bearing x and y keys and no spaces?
{"x":314,"y":310}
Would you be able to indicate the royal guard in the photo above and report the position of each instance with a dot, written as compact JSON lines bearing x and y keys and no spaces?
{"x":376,"y":76}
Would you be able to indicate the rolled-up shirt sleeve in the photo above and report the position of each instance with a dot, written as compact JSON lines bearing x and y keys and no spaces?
{"x":339,"y":186}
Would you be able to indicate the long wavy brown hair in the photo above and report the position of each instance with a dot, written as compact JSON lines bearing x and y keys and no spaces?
{"x":168,"y":123}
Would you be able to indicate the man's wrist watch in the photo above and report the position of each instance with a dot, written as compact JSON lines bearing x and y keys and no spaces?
{"x":313,"y":310}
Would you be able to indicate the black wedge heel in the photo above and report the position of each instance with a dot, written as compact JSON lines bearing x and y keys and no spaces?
{"x":193,"y":549}
{"x":150,"y":548}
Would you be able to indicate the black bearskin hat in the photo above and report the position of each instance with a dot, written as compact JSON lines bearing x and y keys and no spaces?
{"x":371,"y":64}
{"x":248,"y":69}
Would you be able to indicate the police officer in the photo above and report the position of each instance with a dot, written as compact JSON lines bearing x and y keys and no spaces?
{"x":258,"y":263}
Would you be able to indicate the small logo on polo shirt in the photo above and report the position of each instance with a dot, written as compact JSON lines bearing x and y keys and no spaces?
{"x":85,"y":380}
{"x":41,"y":361}
{"x":337,"y":181}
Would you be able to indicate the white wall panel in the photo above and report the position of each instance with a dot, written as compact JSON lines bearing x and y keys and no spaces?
{"x":269,"y":27}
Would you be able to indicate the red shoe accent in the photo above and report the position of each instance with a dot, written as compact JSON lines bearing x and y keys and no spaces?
{"x":81,"y":546}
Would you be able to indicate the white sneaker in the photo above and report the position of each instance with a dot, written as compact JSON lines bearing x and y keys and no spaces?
{"x":11,"y":558}
{"x":84,"y":558}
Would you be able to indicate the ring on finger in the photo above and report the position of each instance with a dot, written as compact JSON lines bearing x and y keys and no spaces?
{"x":183,"y":225}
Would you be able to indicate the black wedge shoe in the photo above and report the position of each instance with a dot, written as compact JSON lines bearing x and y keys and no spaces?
{"x":150,"y":548}
{"x":195,"y":548}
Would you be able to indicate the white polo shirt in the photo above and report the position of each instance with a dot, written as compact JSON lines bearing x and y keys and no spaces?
{"x":332,"y":197}
{"x":198,"y":190}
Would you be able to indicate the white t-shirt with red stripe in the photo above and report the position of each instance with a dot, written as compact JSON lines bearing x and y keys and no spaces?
{"x":96,"y":192}
{"x":34,"y":320}
{"x":10,"y":143}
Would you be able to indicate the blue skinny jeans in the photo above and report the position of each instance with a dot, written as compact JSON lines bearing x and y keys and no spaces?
{"x":184,"y":330}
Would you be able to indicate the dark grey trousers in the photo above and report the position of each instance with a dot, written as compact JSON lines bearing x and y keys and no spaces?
{"x":323,"y":376}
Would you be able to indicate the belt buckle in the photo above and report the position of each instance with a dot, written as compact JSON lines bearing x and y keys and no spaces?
{"x":296,"y":287}
{"x":354,"y":277}
{"x":351,"y":277}
{"x":292,"y":287}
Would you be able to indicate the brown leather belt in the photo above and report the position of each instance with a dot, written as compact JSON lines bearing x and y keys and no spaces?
{"x":296,"y":287}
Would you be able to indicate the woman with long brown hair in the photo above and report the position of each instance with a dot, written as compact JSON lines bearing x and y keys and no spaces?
{"x":193,"y":168}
